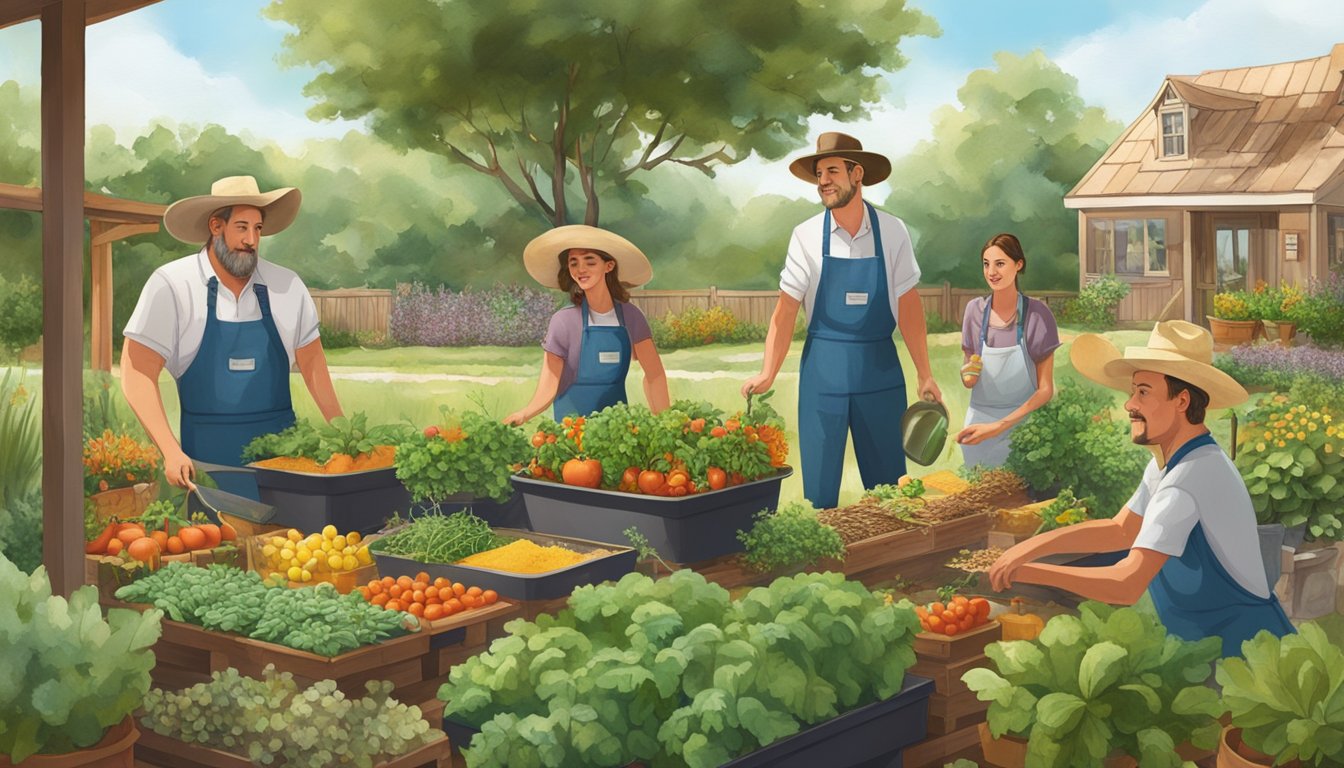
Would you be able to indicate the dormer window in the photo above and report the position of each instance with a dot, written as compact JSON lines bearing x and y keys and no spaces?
{"x":1173,"y":131}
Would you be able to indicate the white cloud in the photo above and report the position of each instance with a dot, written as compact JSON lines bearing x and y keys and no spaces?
{"x":1122,"y":65}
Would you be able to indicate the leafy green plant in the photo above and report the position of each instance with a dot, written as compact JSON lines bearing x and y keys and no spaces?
{"x":1096,"y":304}
{"x":471,"y":453}
{"x":673,"y":672}
{"x":438,"y":538}
{"x":1108,"y":679}
{"x":350,"y":435}
{"x":791,"y":535}
{"x":1290,"y":457}
{"x":68,"y":674}
{"x":1073,"y":441}
{"x":298,"y":441}
{"x":333,"y":338}
{"x":21,"y":531}
{"x":1235,"y":305}
{"x":20,"y":314}
{"x":105,"y":408}
{"x":1284,"y":696}
{"x":272,"y":722}
{"x":641,"y":545}
{"x":1064,"y":511}
{"x":316,"y":619}
{"x":21,"y":435}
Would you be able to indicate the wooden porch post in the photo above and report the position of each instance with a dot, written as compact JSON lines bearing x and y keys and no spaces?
{"x":62,"y":289}
{"x":100,"y":275}
{"x":1188,"y":265}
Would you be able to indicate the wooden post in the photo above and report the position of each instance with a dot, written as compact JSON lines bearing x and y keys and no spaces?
{"x":62,"y":289}
{"x":713,"y":296}
{"x":947,"y":310}
{"x":100,"y":275}
{"x":1188,"y":267}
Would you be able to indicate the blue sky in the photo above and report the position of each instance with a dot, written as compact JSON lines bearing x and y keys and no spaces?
{"x":197,"y":61}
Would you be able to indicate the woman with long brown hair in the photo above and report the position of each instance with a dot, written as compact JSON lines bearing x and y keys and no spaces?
{"x":1009,"y":343}
{"x":589,"y":345}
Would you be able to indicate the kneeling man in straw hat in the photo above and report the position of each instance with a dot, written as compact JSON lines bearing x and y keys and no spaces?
{"x":230,"y":350}
{"x":1189,"y":528}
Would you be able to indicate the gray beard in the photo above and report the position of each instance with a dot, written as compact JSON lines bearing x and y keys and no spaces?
{"x":240,"y":264}
{"x":842,"y":198}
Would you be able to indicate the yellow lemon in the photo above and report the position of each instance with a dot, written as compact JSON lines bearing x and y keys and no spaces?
{"x":338,"y":542}
{"x":302,"y":552}
{"x":295,"y":573}
{"x":311,"y":564}
{"x":363,"y":556}
{"x":352,"y":537}
{"x":350,"y":549}
{"x":314,"y":541}
{"x":294,"y":535}
{"x":278,"y":541}
{"x":350,"y":563}
{"x":305,"y":576}
{"x":335,"y":562}
{"x":269,"y":550}
{"x":329,"y":532}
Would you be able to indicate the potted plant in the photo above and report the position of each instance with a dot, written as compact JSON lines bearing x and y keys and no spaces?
{"x":1234,"y":319}
{"x":72,"y":679}
{"x":1277,"y":313}
{"x":1107,"y":685}
{"x":119,"y":475}
{"x":1292,"y":458}
{"x":1282,"y":699}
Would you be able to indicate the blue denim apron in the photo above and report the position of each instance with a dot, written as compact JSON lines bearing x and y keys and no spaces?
{"x":850,"y":378}
{"x":604,"y":361}
{"x":1196,"y":597}
{"x":236,"y":389}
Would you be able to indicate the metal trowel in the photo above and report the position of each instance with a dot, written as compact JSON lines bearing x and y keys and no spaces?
{"x":218,"y":501}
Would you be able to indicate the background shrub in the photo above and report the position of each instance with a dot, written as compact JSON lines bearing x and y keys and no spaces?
{"x":20,"y":314}
{"x":1321,"y":312}
{"x":695,"y":327}
{"x":1276,"y":367}
{"x":1096,"y":305}
{"x":506,"y":316}
{"x":333,"y":338}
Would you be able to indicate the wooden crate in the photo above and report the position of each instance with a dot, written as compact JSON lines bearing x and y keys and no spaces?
{"x":946,"y":676}
{"x":153,"y":749}
{"x":941,"y":726}
{"x":936,"y":751}
{"x":952,"y":708}
{"x":966,"y":645}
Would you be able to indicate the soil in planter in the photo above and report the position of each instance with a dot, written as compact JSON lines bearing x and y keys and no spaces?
{"x":340,"y":463}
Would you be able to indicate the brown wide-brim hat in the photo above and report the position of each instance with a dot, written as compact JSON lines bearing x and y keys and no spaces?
{"x":189,"y":219}
{"x":876,"y":168}
{"x":1175,"y":348}
{"x":542,"y":255}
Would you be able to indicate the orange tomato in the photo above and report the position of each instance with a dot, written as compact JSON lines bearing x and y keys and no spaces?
{"x":422,"y":576}
{"x":388,"y":581}
{"x":921,"y":612}
{"x":379,"y":599}
{"x":966,"y":623}
{"x":470,"y":601}
{"x":433,"y":612}
{"x":935,"y":623}
{"x":937,"y":609}
{"x":419,"y":586}
{"x":213,"y":536}
{"x":442,"y":583}
{"x":396,"y":591}
{"x":115,"y":546}
{"x":951,"y":630}
{"x":718,"y":479}
{"x":459,"y":588}
{"x":650,"y":480}
{"x":418,"y":596}
{"x":143,"y":549}
{"x":175,"y":546}
{"x":364,"y":593}
{"x":489,"y":596}
{"x":959,"y":609}
{"x":474,"y":591}
{"x":404,"y":581}
{"x":375,"y":587}
{"x":416,"y":609}
{"x":949,"y":617}
{"x":981,"y":606}
{"x":453,"y":606}
{"x":676,"y":478}
{"x":432,"y":592}
{"x":192,"y":538}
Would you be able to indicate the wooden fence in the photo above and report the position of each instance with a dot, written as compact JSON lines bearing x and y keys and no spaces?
{"x":369,"y":309}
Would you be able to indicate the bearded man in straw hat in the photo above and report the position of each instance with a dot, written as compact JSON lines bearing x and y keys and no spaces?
{"x":852,"y":269}
{"x":228,"y":327}
{"x":1189,"y":528}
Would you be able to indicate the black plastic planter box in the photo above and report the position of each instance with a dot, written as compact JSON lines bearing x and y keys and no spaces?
{"x":684,"y":529}
{"x":354,"y":501}
{"x":521,"y":586}
{"x":872,"y":736}
{"x":508,"y":514}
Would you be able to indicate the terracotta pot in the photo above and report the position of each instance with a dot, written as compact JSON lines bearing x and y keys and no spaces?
{"x":1232,"y":753}
{"x":1234,"y":331}
{"x":1283,"y":330}
{"x":1011,"y":752}
{"x":125,"y":503}
{"x":115,"y":750}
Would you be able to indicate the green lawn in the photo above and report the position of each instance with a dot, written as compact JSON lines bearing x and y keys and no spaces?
{"x":396,"y":384}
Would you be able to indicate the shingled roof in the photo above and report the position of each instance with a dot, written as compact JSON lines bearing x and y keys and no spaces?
{"x":1270,"y":129}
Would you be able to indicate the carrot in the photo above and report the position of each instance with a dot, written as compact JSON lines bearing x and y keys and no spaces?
{"x":99,"y":545}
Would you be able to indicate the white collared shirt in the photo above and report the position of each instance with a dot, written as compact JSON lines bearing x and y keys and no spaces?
{"x":1205,"y":489}
{"x":170,"y":316}
{"x":802,"y":267}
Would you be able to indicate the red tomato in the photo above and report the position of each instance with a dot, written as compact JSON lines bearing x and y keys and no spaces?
{"x":650,"y":480}
{"x":585,"y":473}
{"x":718,"y":479}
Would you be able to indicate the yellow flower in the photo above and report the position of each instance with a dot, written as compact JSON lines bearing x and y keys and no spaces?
{"x":1329,"y":448}
{"x":1302,"y":421}
{"x":1268,"y":435}
{"x":1260,"y":446}
{"x":1311,"y":427}
{"x":1315,"y":414}
{"x":1331,"y":431}
{"x":1281,"y":444}
{"x":1325,"y":417}
{"x":1301,"y":435}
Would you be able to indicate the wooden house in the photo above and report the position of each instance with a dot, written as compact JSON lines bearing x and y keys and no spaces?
{"x":1228,"y":178}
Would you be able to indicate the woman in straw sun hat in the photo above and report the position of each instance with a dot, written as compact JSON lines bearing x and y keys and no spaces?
{"x":589,"y":345}
{"x":228,"y":326}
{"x":1189,"y":527}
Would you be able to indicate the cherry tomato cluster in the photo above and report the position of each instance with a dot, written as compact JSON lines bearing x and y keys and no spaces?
{"x":431,"y":599}
{"x":958,"y":615}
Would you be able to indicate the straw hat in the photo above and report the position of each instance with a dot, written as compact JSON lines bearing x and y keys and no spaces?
{"x":542,"y":255}
{"x":189,"y":219}
{"x":876,"y":167}
{"x":1175,"y":348}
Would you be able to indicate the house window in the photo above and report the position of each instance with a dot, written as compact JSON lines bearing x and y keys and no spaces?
{"x":1133,"y":247}
{"x":1334,"y":228}
{"x":1173,"y":133}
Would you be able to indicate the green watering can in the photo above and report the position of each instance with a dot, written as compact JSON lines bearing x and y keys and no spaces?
{"x":924,"y":431}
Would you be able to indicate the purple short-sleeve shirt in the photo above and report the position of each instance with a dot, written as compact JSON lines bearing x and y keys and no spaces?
{"x":564,"y":336}
{"x":1041,"y":333}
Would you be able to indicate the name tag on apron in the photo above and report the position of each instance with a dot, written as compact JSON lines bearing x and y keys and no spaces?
{"x":248,"y":364}
{"x":852,"y":299}
{"x":613,"y":358}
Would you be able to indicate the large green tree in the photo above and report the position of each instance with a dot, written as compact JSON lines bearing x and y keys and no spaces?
{"x":553,"y":102}
{"x":1002,"y":162}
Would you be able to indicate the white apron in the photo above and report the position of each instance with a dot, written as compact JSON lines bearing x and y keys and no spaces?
{"x":1007,"y":380}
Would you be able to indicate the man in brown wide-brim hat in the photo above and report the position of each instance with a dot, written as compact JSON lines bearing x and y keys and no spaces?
{"x":228,"y":326}
{"x":1189,"y":529}
{"x":852,"y":269}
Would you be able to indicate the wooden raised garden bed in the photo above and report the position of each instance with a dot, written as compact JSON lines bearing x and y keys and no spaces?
{"x":153,"y":749}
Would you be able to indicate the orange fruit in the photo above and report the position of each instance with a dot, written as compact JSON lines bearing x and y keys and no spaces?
{"x":393,"y":605}
{"x":416,"y":609}
{"x":418,"y":596}
{"x":489,"y":596}
{"x":422,"y":576}
{"x":453,"y":606}
{"x":396,"y":591}
{"x":459,"y":588}
{"x":951,"y":630}
{"x":441,"y":582}
{"x":432,"y":592}
{"x":433,"y":612}
{"x":474,"y":591}
{"x":470,"y":601}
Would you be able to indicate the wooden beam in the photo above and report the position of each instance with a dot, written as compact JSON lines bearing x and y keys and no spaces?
{"x":113,"y":232}
{"x":100,"y":275}
{"x":18,"y":11}
{"x":1188,"y":264}
{"x":97,"y":207}
{"x":62,"y":288}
